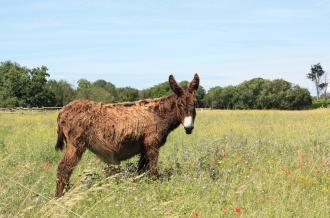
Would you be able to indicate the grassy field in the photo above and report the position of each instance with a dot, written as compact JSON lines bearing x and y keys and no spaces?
{"x":235,"y":164}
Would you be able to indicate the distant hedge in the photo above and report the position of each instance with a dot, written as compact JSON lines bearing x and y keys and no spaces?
{"x":259,"y":93}
{"x":20,"y":86}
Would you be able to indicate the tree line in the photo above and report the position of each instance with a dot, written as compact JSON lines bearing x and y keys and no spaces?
{"x":259,"y":93}
{"x":23,"y":87}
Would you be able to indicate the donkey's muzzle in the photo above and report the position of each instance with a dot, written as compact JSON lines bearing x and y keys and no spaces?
{"x":189,"y":130}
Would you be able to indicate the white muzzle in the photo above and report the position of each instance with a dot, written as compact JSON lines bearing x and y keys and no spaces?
{"x":188,"y":122}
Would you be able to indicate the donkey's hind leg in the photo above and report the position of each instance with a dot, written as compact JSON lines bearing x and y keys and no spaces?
{"x":66,"y":165}
{"x":143,"y":162}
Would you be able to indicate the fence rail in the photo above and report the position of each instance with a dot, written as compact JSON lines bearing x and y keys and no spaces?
{"x":33,"y":109}
{"x":45,"y":109}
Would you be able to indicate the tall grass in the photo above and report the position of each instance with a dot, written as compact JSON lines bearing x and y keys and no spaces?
{"x":235,"y":164}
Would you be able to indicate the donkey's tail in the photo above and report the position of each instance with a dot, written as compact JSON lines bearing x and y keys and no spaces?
{"x":60,"y":139}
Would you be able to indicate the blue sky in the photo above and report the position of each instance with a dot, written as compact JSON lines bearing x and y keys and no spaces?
{"x":138,"y":43}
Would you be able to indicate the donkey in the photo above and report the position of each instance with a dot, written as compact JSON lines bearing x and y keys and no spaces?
{"x":116,"y":132}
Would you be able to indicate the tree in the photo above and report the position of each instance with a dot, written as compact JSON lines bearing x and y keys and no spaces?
{"x":299,"y":98}
{"x":108,"y":86}
{"x":259,"y":94}
{"x":38,"y":93}
{"x":127,"y":94}
{"x":97,"y":91}
{"x":213,"y":97}
{"x":14,"y":80}
{"x":83,"y":89}
{"x":249,"y":92}
{"x":20,"y":86}
{"x":156,"y":91}
{"x":63,"y":91}
{"x":100,"y":95}
{"x":316,"y":75}
{"x":200,"y":96}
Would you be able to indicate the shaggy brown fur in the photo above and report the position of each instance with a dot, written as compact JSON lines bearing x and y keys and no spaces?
{"x":116,"y":132}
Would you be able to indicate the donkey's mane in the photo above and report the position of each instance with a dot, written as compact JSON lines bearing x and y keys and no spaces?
{"x":144,"y":102}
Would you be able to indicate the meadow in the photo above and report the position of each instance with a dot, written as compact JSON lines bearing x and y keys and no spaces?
{"x":235,"y":164}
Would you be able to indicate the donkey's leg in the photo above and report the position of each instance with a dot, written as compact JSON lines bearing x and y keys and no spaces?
{"x":152,"y":145}
{"x":152,"y":153}
{"x":66,"y":165}
{"x":143,"y":162}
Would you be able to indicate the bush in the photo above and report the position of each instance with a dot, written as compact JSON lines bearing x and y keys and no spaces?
{"x":259,"y":93}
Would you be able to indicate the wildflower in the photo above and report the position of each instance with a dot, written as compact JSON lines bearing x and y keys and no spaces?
{"x":289,"y":174}
{"x":195,"y":213}
{"x":213,"y":163}
{"x":226,"y":212}
{"x":47,"y":165}
{"x":238,"y":210}
{"x":98,"y":161}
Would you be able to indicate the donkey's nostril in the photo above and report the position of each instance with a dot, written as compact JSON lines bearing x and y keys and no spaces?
{"x":189,"y":129}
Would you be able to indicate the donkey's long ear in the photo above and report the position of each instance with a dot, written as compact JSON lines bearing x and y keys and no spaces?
{"x":193,"y":86}
{"x":175,"y":86}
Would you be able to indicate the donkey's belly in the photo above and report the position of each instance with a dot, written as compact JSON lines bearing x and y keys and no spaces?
{"x":116,"y":154}
{"x":127,"y":151}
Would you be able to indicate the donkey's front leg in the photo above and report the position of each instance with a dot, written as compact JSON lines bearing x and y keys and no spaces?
{"x":152,"y":145}
{"x":152,"y":153}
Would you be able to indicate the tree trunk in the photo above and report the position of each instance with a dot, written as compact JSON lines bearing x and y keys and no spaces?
{"x":317,"y":89}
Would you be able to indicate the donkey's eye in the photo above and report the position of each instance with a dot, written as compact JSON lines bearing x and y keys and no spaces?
{"x":182,"y":106}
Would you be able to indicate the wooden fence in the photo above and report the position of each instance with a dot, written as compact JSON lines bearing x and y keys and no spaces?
{"x":32,"y":109}
{"x":45,"y":109}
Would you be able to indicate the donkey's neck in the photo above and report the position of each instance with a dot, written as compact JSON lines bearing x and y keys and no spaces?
{"x":165,"y":108}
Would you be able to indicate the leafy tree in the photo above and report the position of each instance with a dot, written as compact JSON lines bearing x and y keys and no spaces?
{"x":63,"y":91}
{"x":259,"y":94}
{"x":96,"y":91}
{"x":100,"y":94}
{"x":156,"y":91}
{"x":299,"y":98}
{"x":38,"y":94}
{"x":20,"y":86}
{"x":316,"y":74}
{"x":83,"y":89}
{"x":14,"y":81}
{"x":249,"y":91}
{"x":213,"y":97}
{"x":108,"y":86}
{"x":127,"y":94}
{"x":200,"y":96}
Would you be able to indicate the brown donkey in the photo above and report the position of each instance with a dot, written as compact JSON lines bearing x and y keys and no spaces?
{"x":116,"y":132}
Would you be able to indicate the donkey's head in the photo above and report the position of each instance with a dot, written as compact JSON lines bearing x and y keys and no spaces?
{"x":186,"y":102}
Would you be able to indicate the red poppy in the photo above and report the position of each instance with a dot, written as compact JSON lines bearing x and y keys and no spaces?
{"x":238,"y":210}
{"x":226,"y":212}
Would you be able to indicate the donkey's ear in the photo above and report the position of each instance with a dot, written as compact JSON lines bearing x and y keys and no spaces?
{"x":193,"y":86}
{"x":175,"y":86}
